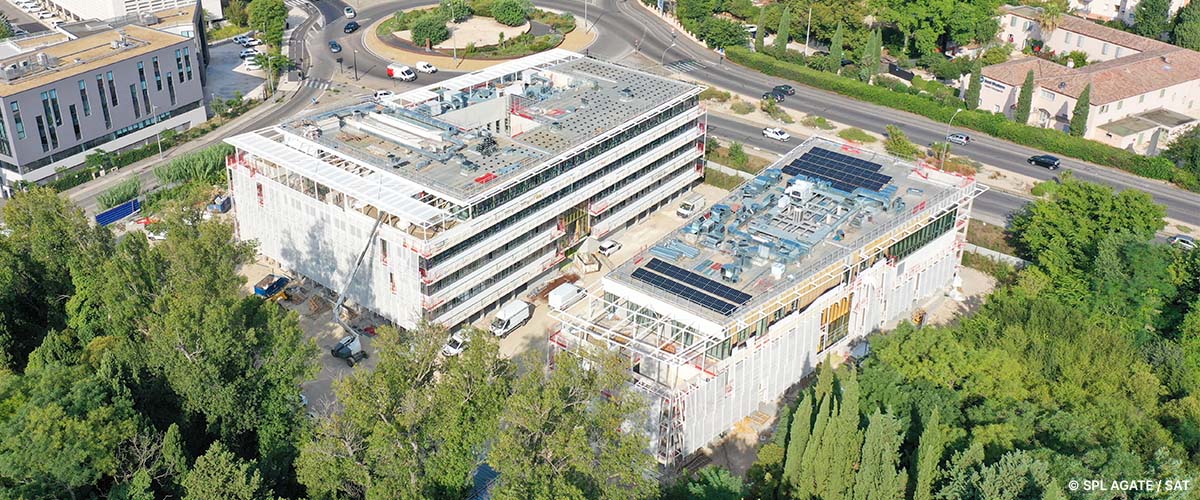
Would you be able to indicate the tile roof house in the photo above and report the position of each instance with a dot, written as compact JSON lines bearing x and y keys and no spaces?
{"x":1129,"y":76}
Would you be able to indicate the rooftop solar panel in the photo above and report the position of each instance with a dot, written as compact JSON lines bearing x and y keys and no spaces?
{"x":705,"y":284}
{"x":684,"y":292}
{"x":844,"y":173}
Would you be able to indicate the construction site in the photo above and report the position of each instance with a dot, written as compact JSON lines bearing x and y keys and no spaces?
{"x":720,"y":317}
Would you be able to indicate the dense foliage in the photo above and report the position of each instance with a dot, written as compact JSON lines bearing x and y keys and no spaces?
{"x":268,"y":18}
{"x":429,"y":29}
{"x":122,"y":192}
{"x":511,"y":12}
{"x":206,"y":165}
{"x":1087,"y":366}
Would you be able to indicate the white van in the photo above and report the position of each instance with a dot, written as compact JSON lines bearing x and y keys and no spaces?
{"x":564,"y":295}
{"x":511,"y":316}
{"x":690,"y":206}
{"x":402,"y":72}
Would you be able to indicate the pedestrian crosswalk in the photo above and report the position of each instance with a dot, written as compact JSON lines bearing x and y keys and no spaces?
{"x":317,"y":84}
{"x":684,"y":66}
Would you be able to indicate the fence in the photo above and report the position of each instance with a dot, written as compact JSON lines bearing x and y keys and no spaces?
{"x":119,"y":212}
{"x":996,"y":256}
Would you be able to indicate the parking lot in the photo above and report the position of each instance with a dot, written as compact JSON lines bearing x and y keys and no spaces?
{"x":21,"y":19}
{"x":226,"y":74}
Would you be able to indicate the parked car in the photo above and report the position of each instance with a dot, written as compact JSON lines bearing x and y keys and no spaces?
{"x":784,"y":89}
{"x":957,"y":138}
{"x":773,"y":96}
{"x":609,"y":247}
{"x":380,"y":94}
{"x":425,"y":67}
{"x":1050,"y":162}
{"x":251,"y":42}
{"x":45,"y":15}
{"x":564,"y":296}
{"x":776,"y":133}
{"x":334,"y":47}
{"x":349,"y":11}
{"x":240,"y":39}
{"x":351,"y":27}
{"x":252,"y":65}
{"x":690,"y":206}
{"x":1184,"y":241}
{"x":247,"y":53}
{"x":456,"y":345}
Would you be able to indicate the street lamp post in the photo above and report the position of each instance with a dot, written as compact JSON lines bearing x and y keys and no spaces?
{"x":663,"y":59}
{"x":946,"y":143}
{"x":158,"y":130}
{"x":356,"y":65}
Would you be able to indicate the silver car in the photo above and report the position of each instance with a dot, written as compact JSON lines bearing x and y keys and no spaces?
{"x":960,"y":139}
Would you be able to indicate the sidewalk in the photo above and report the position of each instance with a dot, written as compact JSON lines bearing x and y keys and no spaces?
{"x":576,"y":41}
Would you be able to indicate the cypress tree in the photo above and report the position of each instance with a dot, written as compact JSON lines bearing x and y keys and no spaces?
{"x":1080,"y":116}
{"x":1025,"y":100}
{"x":781,"y":35}
{"x":835,"y":50}
{"x":761,"y":32}
{"x":805,"y":485}
{"x":974,"y":86}
{"x":800,"y":433}
{"x":877,"y":477}
{"x":845,"y":445}
{"x":870,"y":58}
{"x":784,"y":425}
{"x":929,"y":454}
{"x":824,"y":380}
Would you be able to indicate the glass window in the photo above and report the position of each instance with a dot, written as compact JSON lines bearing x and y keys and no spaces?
{"x":41,"y":126}
{"x":171,"y":88}
{"x":17,"y":121}
{"x":157,"y":75}
{"x":1067,"y":37}
{"x":187,"y":59}
{"x":5,"y":149}
{"x":87,"y":107}
{"x":137,"y":110}
{"x":103,"y":101}
{"x":54,"y":106}
{"x":1104,"y":49}
{"x":112,"y":89}
{"x":75,"y":122}
{"x":179,"y":63}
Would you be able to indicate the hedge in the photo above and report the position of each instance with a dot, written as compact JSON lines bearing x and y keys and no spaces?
{"x":995,"y":125}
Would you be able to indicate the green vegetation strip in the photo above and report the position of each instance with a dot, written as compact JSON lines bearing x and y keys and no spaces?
{"x":995,"y":125}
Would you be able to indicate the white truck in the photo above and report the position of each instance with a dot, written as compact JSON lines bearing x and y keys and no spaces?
{"x":564,"y":295}
{"x":510,"y":317}
{"x":690,"y":206}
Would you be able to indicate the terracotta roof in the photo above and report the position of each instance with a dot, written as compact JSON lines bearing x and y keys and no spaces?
{"x":1093,"y":29}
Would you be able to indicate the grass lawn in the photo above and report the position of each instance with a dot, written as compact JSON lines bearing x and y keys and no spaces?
{"x":753,"y":164}
{"x":989,"y":236}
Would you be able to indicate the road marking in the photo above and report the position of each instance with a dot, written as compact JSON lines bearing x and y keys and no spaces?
{"x":684,"y":66}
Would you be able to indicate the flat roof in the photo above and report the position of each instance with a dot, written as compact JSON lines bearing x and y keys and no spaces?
{"x":1128,"y":126}
{"x":770,"y":233}
{"x":1167,"y":118}
{"x":478,"y":133}
{"x":80,"y":56}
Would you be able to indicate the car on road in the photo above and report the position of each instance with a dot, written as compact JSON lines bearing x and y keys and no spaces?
{"x":349,"y":11}
{"x":250,"y":42}
{"x":609,"y":247}
{"x":773,"y":96}
{"x":401,"y":72}
{"x":1047,"y":161}
{"x":784,"y":89}
{"x":776,"y":133}
{"x":380,"y":94}
{"x":425,"y":67}
{"x":334,"y":47}
{"x":958,"y":138}
{"x":351,"y":27}
{"x":1183,"y":241}
{"x":456,"y":345}
{"x":248,"y":53}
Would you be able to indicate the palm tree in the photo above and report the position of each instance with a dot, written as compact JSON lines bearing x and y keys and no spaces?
{"x":1051,"y":12}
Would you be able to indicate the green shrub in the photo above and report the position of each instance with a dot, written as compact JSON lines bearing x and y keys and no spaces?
{"x":511,"y":12}
{"x":206,"y":165}
{"x":817,"y":122}
{"x":897,"y":144}
{"x":995,"y":125}
{"x":721,"y":180}
{"x":996,"y":55}
{"x":772,"y":109}
{"x":737,"y":155}
{"x":741,"y":107}
{"x":1044,"y":188}
{"x":857,"y":135}
{"x":429,"y":27}
{"x":120,"y":193}
{"x":454,"y":10}
{"x":563,"y":23}
{"x":714,"y":94}
{"x":481,"y":7}
{"x":1000,"y":270}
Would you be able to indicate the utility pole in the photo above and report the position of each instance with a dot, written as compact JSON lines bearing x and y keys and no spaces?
{"x":808,"y":31}
{"x":356,"y":65}
{"x":158,"y":131}
{"x":585,"y":12}
{"x":946,"y":143}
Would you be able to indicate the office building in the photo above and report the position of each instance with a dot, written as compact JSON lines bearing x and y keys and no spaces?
{"x":63,"y":95}
{"x":482,"y":182}
{"x":719,"y":318}
{"x":82,"y":10}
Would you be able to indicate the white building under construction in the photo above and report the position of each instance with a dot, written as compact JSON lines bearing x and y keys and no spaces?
{"x":480,"y":183}
{"x":724,"y":314}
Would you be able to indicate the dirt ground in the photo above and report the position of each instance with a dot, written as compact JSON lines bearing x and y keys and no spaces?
{"x":975,"y":288}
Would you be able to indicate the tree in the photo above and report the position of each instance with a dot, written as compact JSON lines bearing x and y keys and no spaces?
{"x":414,"y":427}
{"x":235,"y":13}
{"x":268,"y":17}
{"x":456,"y":10}
{"x":782,"y":34}
{"x":878,"y":477}
{"x":1079,"y":117}
{"x":430,"y":29}
{"x":1186,"y":32}
{"x":929,"y":457}
{"x":1051,"y":13}
{"x":719,"y":33}
{"x":897,"y":143}
{"x":219,"y":474}
{"x":6,"y":28}
{"x":510,"y":12}
{"x":871,"y":57}
{"x":801,"y":430}
{"x":1185,"y":150}
{"x":715,"y":483}
{"x":836,"y":53}
{"x":1024,"y":100}
{"x":572,"y":433}
{"x":1152,"y":18}
{"x":737,"y":155}
{"x":975,"y":85}
{"x":760,"y":32}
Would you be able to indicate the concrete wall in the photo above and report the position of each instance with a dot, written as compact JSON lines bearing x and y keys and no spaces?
{"x":108,"y":9}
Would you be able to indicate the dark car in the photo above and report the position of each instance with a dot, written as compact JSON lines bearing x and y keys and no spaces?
{"x":773,"y":96}
{"x":334,"y":47}
{"x":351,"y":27}
{"x":784,"y":89}
{"x":1047,"y":161}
